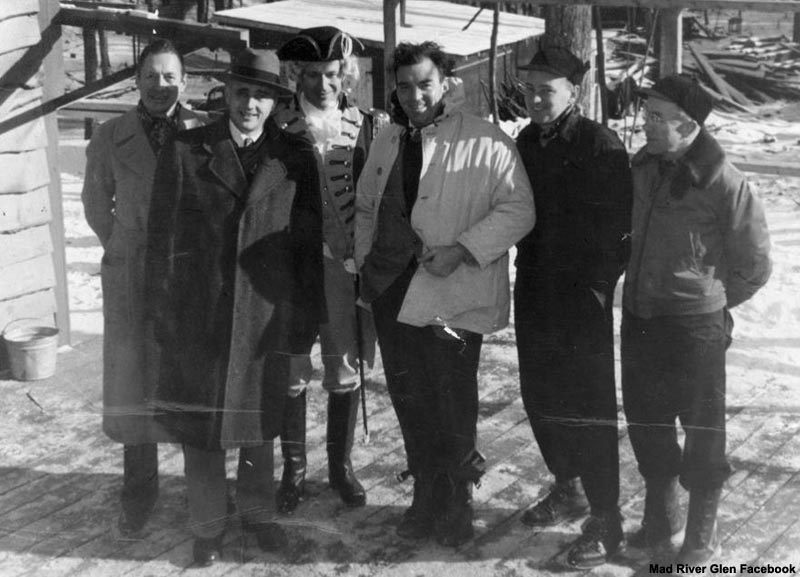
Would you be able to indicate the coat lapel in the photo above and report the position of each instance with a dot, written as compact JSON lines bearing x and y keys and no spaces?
{"x":224,"y":163}
{"x":132,"y":147}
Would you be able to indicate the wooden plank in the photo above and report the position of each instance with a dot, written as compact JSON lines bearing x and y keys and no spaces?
{"x":53,"y":67}
{"x":18,"y":211}
{"x":29,"y":136}
{"x":744,"y":5}
{"x":15,"y":101}
{"x":24,"y":171}
{"x":11,"y":8}
{"x":35,"y":305}
{"x":774,"y":168}
{"x":13,"y":75}
{"x":143,"y":24}
{"x":671,"y":42}
{"x":19,"y":33}
{"x":25,"y":244}
{"x":26,"y":277}
{"x":719,"y":83}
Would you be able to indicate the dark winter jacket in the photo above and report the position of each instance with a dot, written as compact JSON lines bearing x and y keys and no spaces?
{"x":582,"y":184}
{"x":700,"y":239}
{"x":232,"y":272}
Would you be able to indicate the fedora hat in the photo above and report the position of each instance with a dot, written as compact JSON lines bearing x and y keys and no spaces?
{"x":320,"y":44}
{"x":254,"y":66}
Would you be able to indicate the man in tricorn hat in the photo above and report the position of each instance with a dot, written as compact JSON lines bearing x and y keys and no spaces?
{"x":322,"y":64}
{"x":567,"y":268}
{"x":700,"y":247}
{"x":234,"y":264}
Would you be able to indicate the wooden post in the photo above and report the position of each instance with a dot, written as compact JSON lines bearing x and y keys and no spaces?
{"x":671,"y":42}
{"x":601,"y":65}
{"x":390,"y":20}
{"x":493,"y":66}
{"x":796,"y":30}
{"x":105,"y":61}
{"x":89,"y":69}
{"x":53,"y":71}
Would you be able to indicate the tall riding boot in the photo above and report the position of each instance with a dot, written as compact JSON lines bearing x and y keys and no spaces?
{"x":662,"y":524}
{"x":701,"y":544}
{"x":293,"y":447}
{"x":342,"y":416}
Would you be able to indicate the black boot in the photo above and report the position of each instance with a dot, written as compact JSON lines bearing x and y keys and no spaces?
{"x":418,"y":519}
{"x":662,"y":524}
{"x":701,"y":545}
{"x":602,"y":535}
{"x":454,"y":524}
{"x":342,"y":416}
{"x":293,"y":447}
{"x":566,"y":501}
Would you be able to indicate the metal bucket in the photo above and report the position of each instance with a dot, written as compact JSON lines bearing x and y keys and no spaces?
{"x":32,"y":352}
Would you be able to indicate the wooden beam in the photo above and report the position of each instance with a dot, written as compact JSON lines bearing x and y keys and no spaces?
{"x":53,"y":69}
{"x":746,"y":5}
{"x":391,"y":18}
{"x":189,"y":35}
{"x":773,"y":168}
{"x":671,"y":42}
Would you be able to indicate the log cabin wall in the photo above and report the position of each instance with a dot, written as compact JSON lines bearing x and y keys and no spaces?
{"x":32,"y":264}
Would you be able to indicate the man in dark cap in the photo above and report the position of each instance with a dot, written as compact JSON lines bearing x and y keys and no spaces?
{"x":700,"y":247}
{"x":567,"y":268}
{"x":321,"y":63}
{"x":234,"y":265}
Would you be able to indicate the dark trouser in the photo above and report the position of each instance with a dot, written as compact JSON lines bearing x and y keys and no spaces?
{"x":208,"y":494}
{"x":432,"y":377}
{"x":140,"y":477}
{"x":674,"y":368}
{"x":566,"y":369}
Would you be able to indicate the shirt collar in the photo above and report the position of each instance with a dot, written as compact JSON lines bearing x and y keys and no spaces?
{"x":238,"y":137}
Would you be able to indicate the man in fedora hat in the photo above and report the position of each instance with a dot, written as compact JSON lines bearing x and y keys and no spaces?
{"x":121,"y":162}
{"x":321,"y":63}
{"x":700,"y":247}
{"x":233,"y":269}
{"x":567,"y":268}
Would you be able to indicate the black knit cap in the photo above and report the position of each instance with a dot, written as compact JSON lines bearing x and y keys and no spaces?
{"x":320,"y":44}
{"x":559,"y":62}
{"x":686,"y":92}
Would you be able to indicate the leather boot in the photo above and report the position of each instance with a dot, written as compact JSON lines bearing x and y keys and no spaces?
{"x":454,"y":524}
{"x":565,"y":501}
{"x":418,"y":519}
{"x":600,"y":540}
{"x":701,"y":545}
{"x":662,"y":524}
{"x":293,"y":447}
{"x":342,"y":416}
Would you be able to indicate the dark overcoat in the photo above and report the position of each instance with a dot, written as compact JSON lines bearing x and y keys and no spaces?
{"x":233,"y":270}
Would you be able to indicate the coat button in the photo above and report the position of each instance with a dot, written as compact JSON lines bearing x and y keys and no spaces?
{"x":380,"y":170}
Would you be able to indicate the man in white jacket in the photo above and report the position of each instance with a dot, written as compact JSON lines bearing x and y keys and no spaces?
{"x":441,"y":199}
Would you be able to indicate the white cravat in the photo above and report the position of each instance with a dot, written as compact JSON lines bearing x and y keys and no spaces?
{"x":324,"y":125}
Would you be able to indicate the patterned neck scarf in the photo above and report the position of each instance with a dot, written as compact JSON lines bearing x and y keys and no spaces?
{"x":158,"y":129}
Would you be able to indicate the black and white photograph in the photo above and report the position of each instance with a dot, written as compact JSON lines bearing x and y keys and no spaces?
{"x":398,"y":288}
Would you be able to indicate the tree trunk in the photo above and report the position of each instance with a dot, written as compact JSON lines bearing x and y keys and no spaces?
{"x":571,"y":27}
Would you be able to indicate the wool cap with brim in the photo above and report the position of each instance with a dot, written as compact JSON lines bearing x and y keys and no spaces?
{"x":253,"y":66}
{"x":559,"y":62}
{"x":684,"y":91}
{"x":320,"y":44}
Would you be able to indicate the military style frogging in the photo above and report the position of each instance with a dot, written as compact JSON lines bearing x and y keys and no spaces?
{"x":340,"y":154}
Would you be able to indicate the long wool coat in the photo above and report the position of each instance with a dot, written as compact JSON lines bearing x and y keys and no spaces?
{"x":233,"y":273}
{"x":116,"y":198}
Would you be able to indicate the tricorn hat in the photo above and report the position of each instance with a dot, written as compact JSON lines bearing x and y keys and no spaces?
{"x":254,"y":66}
{"x":559,"y":62}
{"x":684,"y":91}
{"x":320,"y":44}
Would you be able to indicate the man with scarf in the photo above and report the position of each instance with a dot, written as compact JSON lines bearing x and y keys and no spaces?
{"x":121,"y":162}
{"x":321,"y":63}
{"x":441,"y":199}
{"x":567,"y":269}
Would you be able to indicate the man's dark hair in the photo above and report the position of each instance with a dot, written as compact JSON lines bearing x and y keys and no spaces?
{"x":407,"y":54}
{"x":160,"y":46}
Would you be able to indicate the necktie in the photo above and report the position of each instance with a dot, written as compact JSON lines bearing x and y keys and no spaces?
{"x":247,"y":142}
